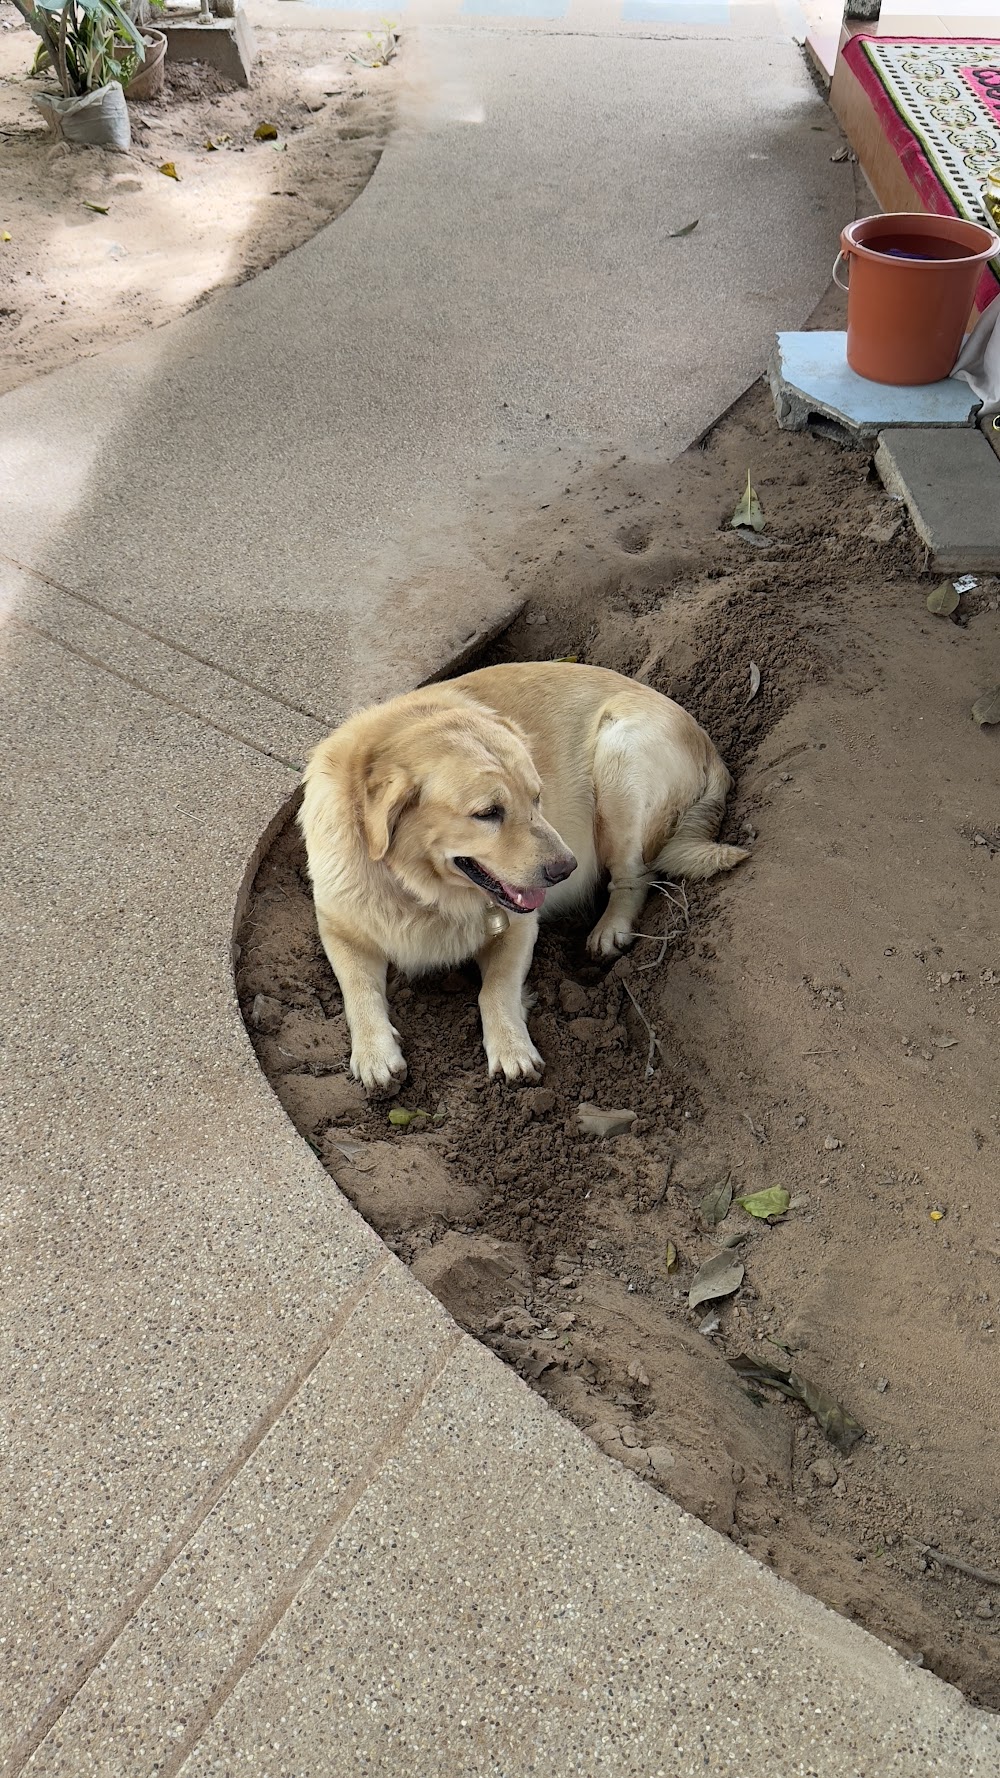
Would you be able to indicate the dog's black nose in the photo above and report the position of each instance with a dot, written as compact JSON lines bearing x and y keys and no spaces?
{"x":558,"y":869}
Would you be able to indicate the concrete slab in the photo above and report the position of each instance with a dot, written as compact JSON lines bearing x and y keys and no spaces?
{"x":549,"y":1652}
{"x":325,"y":449}
{"x":810,"y":377}
{"x":950,"y":482}
{"x":225,"y":43}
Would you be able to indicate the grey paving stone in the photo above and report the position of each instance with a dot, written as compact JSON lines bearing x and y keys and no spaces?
{"x":950,"y":481}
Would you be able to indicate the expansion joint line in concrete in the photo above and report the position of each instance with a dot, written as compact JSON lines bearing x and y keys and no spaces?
{"x":43,"y":1725}
{"x":302,"y":1573}
{"x":191,"y":654}
{"x":149,"y":691}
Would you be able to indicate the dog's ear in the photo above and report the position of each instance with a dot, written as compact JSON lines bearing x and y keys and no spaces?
{"x":387,"y":792}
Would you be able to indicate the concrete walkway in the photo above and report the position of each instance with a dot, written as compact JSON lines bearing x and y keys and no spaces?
{"x":263,"y":1508}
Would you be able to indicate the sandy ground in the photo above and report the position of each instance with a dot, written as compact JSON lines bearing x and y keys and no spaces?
{"x":828,"y":1020}
{"x":73,"y":282}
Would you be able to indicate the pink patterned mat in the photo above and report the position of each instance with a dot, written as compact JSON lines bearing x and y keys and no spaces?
{"x":938,"y":100}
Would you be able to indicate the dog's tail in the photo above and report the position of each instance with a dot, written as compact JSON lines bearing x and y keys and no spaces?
{"x":691,"y":850}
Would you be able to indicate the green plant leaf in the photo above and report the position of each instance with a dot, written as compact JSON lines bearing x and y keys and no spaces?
{"x":675,"y":234}
{"x":265,"y":132}
{"x":986,"y":709}
{"x":773,"y":1201}
{"x":102,"y":209}
{"x":670,"y":1261}
{"x":943,"y":600}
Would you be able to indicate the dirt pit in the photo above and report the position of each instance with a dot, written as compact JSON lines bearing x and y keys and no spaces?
{"x":74,"y":281}
{"x":827,"y":1022}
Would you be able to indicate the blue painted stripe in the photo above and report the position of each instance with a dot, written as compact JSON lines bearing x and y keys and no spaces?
{"x":517,"y":9}
{"x":675,"y":12}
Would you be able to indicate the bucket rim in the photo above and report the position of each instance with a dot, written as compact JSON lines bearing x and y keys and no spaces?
{"x":908,"y":218}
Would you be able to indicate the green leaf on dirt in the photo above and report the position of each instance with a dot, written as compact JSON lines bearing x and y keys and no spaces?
{"x":719,"y":1276}
{"x":715,"y":1204}
{"x":102,"y":209}
{"x":943,"y":600}
{"x":840,"y":1427}
{"x":749,"y":511}
{"x":401,"y":1117}
{"x":774,"y":1201}
{"x":265,"y":132}
{"x":986,"y":709}
{"x":671,"y":1258}
{"x":561,"y":659}
{"x":169,"y":171}
{"x":675,"y":234}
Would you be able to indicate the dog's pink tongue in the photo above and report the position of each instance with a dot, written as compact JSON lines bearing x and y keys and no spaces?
{"x":528,"y":899}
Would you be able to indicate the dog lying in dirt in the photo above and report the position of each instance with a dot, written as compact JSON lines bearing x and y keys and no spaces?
{"x":439,"y":825}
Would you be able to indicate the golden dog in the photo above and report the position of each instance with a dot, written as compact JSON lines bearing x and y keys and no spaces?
{"x":438,"y":825}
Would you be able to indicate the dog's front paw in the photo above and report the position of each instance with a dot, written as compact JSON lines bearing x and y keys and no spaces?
{"x":378,"y":1062}
{"x":512,"y":1054}
{"x":610,"y":938}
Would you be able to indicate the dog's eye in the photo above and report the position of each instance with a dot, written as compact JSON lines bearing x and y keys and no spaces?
{"x":493,"y":814}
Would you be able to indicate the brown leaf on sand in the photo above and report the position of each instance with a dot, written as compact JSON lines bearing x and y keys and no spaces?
{"x":840,"y":1427}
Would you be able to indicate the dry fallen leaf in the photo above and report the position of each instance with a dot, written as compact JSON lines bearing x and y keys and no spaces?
{"x":754,"y":681}
{"x":840,"y":1427}
{"x":986,"y":709}
{"x":719,"y":1276}
{"x":5,"y":236}
{"x":943,"y":599}
{"x":671,"y":1258}
{"x":715,"y":1204}
{"x":749,"y":511}
{"x":265,"y":132}
{"x":688,"y":229}
{"x":102,"y":209}
{"x":169,"y":170}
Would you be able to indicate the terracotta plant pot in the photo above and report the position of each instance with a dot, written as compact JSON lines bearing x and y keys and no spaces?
{"x":912,"y":283}
{"x":147,"y":81}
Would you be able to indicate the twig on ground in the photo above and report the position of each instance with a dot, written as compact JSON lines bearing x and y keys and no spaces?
{"x":661,"y":1194}
{"x":981,"y":1574}
{"x":679,"y":901}
{"x":654,"y":1042}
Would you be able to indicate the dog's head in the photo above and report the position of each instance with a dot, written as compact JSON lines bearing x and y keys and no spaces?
{"x":449,"y":800}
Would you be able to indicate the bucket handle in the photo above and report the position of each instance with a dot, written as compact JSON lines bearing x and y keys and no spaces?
{"x":841,"y":259}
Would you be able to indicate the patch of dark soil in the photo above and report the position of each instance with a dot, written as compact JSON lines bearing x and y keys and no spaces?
{"x":826,"y":1021}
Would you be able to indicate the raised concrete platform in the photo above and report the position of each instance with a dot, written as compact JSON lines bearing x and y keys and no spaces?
{"x":811,"y":379}
{"x":950,"y":482}
{"x":263,"y":1509}
{"x":225,"y":43}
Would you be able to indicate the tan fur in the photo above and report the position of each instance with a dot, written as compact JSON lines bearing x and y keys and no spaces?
{"x":587,"y":766}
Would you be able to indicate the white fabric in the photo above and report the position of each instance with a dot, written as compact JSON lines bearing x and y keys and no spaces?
{"x":99,"y":119}
{"x":978,"y":362}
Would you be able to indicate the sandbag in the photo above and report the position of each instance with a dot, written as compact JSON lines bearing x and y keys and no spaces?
{"x":99,"y":119}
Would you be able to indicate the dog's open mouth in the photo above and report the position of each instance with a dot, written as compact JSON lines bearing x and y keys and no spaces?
{"x":517,"y":901}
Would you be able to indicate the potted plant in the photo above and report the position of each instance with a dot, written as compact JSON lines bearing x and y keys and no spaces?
{"x":83,"y":43}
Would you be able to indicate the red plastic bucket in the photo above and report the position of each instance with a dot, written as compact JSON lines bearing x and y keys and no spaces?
{"x":911,"y":286}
